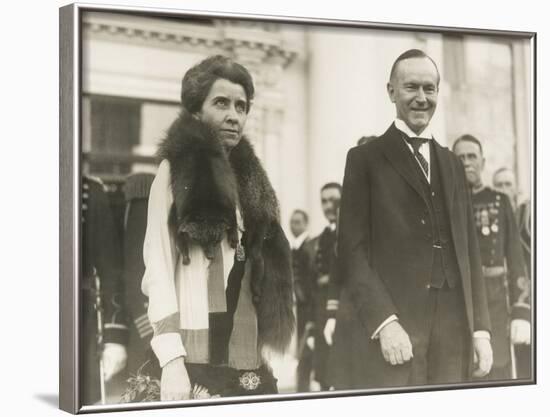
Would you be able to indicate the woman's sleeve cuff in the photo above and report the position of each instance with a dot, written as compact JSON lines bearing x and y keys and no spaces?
{"x":482,"y":334}
{"x":167,"y":346}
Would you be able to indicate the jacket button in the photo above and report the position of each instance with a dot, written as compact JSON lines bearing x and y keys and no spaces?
{"x":423,"y":221}
{"x":428,"y":286}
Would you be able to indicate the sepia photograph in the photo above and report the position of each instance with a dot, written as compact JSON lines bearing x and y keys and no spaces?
{"x":271,"y":208}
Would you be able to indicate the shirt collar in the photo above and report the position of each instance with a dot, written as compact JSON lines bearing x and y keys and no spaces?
{"x":297,"y":241}
{"x":402,"y":126}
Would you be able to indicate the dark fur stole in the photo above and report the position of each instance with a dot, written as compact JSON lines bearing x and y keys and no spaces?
{"x":206,"y":185}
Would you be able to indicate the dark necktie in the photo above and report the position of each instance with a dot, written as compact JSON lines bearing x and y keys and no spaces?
{"x":415,"y":143}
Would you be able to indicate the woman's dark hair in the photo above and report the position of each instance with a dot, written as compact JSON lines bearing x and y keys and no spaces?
{"x":197,"y":82}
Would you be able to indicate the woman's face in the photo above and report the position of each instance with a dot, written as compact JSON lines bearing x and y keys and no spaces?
{"x":224,"y":109}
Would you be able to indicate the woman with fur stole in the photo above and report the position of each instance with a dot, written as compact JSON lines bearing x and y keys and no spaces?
{"x":218,"y":266}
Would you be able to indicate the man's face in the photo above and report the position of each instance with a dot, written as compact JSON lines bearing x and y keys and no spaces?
{"x":224,"y":109}
{"x":414,"y":89}
{"x":505,"y":181}
{"x":470,"y":156}
{"x":298,"y":224}
{"x":330,"y":202}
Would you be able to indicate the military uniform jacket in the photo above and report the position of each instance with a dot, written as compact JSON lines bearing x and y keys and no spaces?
{"x":503,"y":266}
{"x":102,"y":255}
{"x":136,"y":192}
{"x":499,"y":241}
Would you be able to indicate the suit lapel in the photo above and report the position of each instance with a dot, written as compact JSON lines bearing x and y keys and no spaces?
{"x":399,"y":156}
{"x":447,"y":175}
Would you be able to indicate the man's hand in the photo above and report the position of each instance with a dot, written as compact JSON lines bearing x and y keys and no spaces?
{"x":483,"y":356}
{"x":174,"y":381}
{"x":323,"y":279}
{"x":328,"y":331}
{"x":520,"y":332}
{"x":114,"y":358}
{"x":395,"y":344}
{"x":310,"y":342}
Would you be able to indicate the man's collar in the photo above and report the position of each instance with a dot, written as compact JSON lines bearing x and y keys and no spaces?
{"x":297,"y":241}
{"x":402,"y":126}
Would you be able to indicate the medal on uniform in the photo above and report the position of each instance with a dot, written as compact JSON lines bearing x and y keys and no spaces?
{"x":494,"y":228}
{"x":241,"y":256}
{"x":485,"y":222}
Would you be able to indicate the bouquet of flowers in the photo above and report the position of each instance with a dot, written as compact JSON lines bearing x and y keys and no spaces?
{"x":142,"y":388}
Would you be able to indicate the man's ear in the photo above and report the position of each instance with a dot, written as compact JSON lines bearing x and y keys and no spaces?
{"x":391,"y":91}
{"x":482,"y":163}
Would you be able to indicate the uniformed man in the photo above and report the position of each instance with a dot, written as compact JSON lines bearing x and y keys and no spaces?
{"x":324,"y":248}
{"x":301,"y":269}
{"x":523,"y":350}
{"x":101,"y":270}
{"x":136,"y":194}
{"x":502,"y":260}
{"x":504,"y":181}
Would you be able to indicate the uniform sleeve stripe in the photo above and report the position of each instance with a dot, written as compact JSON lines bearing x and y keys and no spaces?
{"x":115,"y":326}
{"x":143,"y":334}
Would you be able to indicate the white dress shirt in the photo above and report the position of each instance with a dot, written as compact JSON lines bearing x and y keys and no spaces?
{"x":424,"y":149}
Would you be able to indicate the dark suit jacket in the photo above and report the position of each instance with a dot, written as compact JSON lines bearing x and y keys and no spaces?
{"x":385,"y":238}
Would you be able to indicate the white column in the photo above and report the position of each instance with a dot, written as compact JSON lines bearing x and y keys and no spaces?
{"x":523,"y":112}
{"x":348,"y":73}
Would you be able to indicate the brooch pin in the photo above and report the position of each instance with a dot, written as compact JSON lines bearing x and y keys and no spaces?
{"x":249,"y":381}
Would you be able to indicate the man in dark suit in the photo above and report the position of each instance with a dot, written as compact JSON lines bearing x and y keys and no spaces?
{"x":408,"y":248}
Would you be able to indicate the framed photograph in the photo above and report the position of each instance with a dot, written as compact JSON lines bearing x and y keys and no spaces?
{"x":258,"y":208}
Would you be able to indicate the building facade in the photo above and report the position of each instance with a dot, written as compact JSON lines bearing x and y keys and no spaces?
{"x":319,"y":89}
